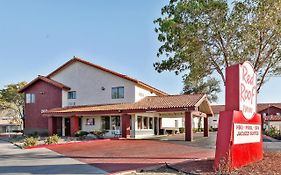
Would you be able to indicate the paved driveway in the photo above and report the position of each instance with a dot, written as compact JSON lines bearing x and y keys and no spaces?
{"x":124,"y":155}
{"x":14,"y":160}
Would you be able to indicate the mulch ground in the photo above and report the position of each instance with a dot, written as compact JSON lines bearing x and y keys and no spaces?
{"x":271,"y":164}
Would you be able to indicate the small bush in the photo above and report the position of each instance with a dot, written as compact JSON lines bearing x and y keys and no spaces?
{"x":52,"y":139}
{"x":273,"y":132}
{"x":213,"y":129}
{"x":34,"y":135}
{"x":168,"y":131}
{"x":81,"y":133}
{"x":99,"y":133}
{"x":181,"y":130}
{"x":30,"y":141}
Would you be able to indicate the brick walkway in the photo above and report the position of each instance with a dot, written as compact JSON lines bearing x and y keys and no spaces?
{"x":124,"y":155}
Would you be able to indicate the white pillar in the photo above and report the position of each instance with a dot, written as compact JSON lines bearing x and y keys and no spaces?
{"x":63,"y":127}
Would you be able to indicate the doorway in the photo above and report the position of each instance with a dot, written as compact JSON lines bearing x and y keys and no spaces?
{"x":67,"y":126}
{"x":155,"y":126}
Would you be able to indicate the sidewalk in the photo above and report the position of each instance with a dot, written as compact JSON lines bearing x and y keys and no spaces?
{"x":40,"y":161}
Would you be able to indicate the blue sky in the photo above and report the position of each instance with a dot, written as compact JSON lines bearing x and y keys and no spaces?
{"x":38,"y":36}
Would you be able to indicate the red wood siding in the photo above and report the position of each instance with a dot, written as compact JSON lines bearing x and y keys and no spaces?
{"x":47,"y":96}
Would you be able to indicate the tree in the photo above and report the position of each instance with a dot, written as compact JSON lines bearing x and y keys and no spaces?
{"x":202,"y":37}
{"x":11,"y":99}
{"x":195,"y":86}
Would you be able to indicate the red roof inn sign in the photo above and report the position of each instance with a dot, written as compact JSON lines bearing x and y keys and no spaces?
{"x":248,"y":90}
{"x":239,"y":139}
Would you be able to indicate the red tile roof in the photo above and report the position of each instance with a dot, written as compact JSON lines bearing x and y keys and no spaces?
{"x":149,"y":103}
{"x":76,"y":59}
{"x":217,"y":108}
{"x":263,"y":106}
{"x":47,"y":80}
{"x":260,"y":107}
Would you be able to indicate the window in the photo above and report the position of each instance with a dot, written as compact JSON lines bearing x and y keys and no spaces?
{"x":139,"y":122}
{"x":90,"y":121}
{"x":145,"y":122}
{"x":115,"y":122}
{"x":71,"y":95}
{"x":117,"y":92}
{"x":105,"y":122}
{"x":71,"y":103}
{"x":30,"y":98}
{"x":150,"y":123}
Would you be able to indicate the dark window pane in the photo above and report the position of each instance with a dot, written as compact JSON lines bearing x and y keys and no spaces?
{"x":105,"y":122}
{"x":71,"y":95}
{"x":117,"y":92}
{"x":115,"y":121}
{"x":150,"y":123}
{"x":139,"y":122}
{"x":145,"y":123}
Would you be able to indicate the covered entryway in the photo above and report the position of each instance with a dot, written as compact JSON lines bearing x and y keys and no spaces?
{"x":144,"y":118}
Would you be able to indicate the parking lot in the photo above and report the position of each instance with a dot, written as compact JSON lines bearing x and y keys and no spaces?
{"x":124,"y":155}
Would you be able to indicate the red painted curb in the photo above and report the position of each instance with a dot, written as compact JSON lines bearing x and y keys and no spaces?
{"x":68,"y":143}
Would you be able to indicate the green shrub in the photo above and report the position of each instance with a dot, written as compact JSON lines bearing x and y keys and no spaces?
{"x":34,"y":134}
{"x":30,"y":141}
{"x":273,"y":132}
{"x":181,"y":130}
{"x":99,"y":133}
{"x":81,"y":133}
{"x":213,"y":129}
{"x":52,"y":139}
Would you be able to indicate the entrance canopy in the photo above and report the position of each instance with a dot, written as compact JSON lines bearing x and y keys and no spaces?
{"x":169,"y":103}
{"x":140,"y":118}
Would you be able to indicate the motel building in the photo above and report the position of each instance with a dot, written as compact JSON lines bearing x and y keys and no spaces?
{"x":83,"y":96}
{"x":270,"y":113}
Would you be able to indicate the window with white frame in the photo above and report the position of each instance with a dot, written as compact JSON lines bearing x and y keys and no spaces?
{"x":71,"y":95}
{"x":115,"y":122}
{"x":117,"y":92}
{"x":90,"y":121}
{"x":30,"y":98}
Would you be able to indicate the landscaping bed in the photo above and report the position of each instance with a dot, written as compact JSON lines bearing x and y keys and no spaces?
{"x":269,"y":165}
{"x":20,"y":140}
{"x":35,"y":141}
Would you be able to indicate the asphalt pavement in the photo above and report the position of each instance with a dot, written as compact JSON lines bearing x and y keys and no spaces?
{"x":14,"y":160}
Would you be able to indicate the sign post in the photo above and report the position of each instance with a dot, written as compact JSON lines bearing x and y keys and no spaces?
{"x":239,"y":138}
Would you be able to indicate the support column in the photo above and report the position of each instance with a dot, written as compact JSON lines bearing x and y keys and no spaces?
{"x":206,"y":127}
{"x":188,"y":126}
{"x":52,"y":126}
{"x":160,"y":125}
{"x":74,"y":125}
{"x":157,"y":125}
{"x":125,"y":125}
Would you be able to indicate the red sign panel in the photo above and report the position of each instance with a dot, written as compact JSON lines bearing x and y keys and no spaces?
{"x":239,"y":138}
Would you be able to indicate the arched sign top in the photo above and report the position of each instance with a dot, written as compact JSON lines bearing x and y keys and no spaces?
{"x":247,"y":90}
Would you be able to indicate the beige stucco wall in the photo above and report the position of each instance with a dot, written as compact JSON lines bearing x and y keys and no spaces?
{"x":88,"y":82}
